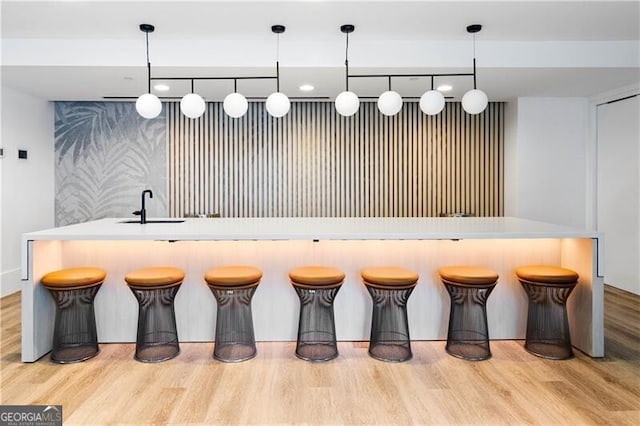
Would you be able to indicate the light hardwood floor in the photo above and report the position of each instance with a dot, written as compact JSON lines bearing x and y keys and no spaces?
{"x":513,"y":387}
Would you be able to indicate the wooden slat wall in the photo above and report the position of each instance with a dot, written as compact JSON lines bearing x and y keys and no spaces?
{"x":314,"y":162}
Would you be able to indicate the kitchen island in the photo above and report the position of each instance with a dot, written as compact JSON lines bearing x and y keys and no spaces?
{"x":278,"y":244}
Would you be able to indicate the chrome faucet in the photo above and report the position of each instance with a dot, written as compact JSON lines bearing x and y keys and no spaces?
{"x":143,"y":211}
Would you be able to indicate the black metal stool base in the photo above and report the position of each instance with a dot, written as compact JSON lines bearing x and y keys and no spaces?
{"x":157,"y":336}
{"x":470,"y":351}
{"x":316,"y":326}
{"x":468,"y":331}
{"x":317,"y":351}
{"x":158,"y":347}
{"x":235,"y":339}
{"x":72,"y":354}
{"x":549,"y":350}
{"x":390,"y":351}
{"x":390,"y":339}
{"x":75,"y":338}
{"x":234,"y":352}
{"x":547,"y":322}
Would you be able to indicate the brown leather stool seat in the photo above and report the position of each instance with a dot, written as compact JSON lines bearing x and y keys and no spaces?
{"x":317,"y":287}
{"x":548,"y":288}
{"x":75,"y":337}
{"x":72,"y":278}
{"x":316,"y":276}
{"x":160,"y":276}
{"x":233,"y":287}
{"x":468,"y":275}
{"x":545,"y":274}
{"x":233,"y":276}
{"x":390,"y":288}
{"x":469,"y":288}
{"x":155,"y":288}
{"x":389,"y":277}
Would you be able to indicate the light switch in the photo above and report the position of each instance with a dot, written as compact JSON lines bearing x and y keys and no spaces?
{"x":22,"y":154}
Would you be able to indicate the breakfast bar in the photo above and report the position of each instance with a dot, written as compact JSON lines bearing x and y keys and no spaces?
{"x":275,"y":245}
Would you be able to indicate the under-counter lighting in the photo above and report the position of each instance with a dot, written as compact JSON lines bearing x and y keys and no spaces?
{"x":444,"y":88}
{"x":306,"y":87}
{"x":161,"y":87}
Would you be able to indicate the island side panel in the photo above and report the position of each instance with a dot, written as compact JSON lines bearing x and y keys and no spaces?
{"x":38,"y":307}
{"x":585,"y":305}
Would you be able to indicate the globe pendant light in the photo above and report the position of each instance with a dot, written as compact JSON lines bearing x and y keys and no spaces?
{"x":148,"y":105}
{"x":390,"y":103}
{"x":432,"y":102}
{"x":474,"y":101}
{"x":192,"y":105}
{"x":235,"y":105}
{"x":347,"y":103}
{"x":278,"y":103}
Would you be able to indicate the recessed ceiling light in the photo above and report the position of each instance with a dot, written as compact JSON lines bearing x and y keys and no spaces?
{"x":161,"y":87}
{"x":306,"y":87}
{"x":444,"y":88}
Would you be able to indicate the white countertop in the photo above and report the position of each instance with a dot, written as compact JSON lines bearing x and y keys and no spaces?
{"x":299,"y":228}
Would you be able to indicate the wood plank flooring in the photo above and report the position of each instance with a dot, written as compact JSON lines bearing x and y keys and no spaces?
{"x":513,"y":387}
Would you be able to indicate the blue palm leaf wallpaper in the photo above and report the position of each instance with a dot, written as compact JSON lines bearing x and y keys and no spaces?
{"x":106,"y":154}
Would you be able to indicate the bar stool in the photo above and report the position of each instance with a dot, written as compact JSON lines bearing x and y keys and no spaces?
{"x":75,"y":337}
{"x":233,"y":287}
{"x":317,"y":287}
{"x":548,"y":288}
{"x":155,"y":289}
{"x":469,"y":288}
{"x":390,"y":288}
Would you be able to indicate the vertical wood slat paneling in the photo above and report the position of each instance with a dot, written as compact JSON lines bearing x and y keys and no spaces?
{"x":313,"y":162}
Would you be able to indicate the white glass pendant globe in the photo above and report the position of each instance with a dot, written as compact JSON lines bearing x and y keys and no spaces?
{"x":432,"y":102}
{"x":390,"y":103}
{"x":192,"y":105}
{"x":474,"y":101}
{"x":148,"y":105}
{"x":278,"y":104}
{"x":347,"y":103}
{"x":235,"y":105}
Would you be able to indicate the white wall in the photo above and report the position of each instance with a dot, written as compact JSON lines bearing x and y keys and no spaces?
{"x":618,"y":190}
{"x":27,"y":194}
{"x":545,"y":159}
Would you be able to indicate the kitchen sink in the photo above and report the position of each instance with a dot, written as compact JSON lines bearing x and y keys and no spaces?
{"x":154,"y":221}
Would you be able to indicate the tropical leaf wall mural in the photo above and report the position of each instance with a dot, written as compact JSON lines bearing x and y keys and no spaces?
{"x":106,"y":154}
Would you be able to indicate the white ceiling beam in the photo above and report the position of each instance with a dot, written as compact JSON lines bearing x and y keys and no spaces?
{"x":318,"y":53}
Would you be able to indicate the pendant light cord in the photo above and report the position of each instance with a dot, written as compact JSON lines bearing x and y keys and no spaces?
{"x":346,"y":63}
{"x":277,"y":62}
{"x":474,"y":61}
{"x":148,"y":65}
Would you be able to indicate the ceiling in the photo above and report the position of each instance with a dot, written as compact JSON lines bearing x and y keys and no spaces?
{"x":86,"y":50}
